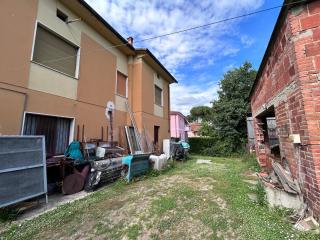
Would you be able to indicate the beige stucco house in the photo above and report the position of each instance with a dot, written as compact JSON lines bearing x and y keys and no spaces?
{"x":61,"y":63}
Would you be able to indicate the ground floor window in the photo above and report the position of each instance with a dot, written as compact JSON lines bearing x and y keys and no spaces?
{"x":55,"y":129}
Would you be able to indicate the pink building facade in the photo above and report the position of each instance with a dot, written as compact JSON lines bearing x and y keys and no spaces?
{"x":178,"y":126}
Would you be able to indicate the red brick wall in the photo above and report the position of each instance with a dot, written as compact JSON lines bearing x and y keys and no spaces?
{"x":279,"y":70}
{"x":307,"y":50}
{"x":278,"y":73}
{"x":295,"y":61}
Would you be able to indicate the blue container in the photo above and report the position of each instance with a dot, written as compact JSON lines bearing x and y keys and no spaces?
{"x":135,"y":165}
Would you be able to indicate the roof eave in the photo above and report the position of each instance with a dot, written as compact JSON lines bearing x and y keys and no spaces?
{"x":146,"y":51}
{"x":89,"y":15}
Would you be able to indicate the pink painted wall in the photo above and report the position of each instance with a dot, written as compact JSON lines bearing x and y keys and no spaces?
{"x":177,"y":126}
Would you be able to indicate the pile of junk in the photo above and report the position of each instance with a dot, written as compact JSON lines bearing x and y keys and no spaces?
{"x":285,"y":191}
{"x":90,"y":164}
{"x":32,"y":167}
{"x":84,"y":166}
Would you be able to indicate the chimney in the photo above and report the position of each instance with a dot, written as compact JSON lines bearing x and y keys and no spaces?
{"x":130,"y":40}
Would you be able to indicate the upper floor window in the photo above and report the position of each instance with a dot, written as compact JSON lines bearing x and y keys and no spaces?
{"x":62,"y":15}
{"x":158,"y":95}
{"x":122,"y":84}
{"x":55,"y":52}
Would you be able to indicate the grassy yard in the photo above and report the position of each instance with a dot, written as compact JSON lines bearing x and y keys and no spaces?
{"x":190,"y":201}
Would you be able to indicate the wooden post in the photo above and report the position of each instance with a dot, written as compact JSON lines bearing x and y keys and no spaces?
{"x":82,"y":133}
{"x":78,"y":129}
{"x":102,"y":133}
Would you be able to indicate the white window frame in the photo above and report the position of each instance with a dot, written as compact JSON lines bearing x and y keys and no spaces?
{"x":72,"y":124}
{"x":38,"y":23}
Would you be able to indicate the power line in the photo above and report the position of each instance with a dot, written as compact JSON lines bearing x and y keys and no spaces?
{"x":182,"y":30}
{"x":219,"y":21}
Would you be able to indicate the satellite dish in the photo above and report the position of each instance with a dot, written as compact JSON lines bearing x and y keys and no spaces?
{"x":110,"y":107}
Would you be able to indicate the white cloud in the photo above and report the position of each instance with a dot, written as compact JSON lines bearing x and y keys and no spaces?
{"x":188,"y":96}
{"x":142,"y":19}
{"x":229,"y":67}
{"x":247,"y":41}
{"x":197,"y":49}
{"x":202,"y":63}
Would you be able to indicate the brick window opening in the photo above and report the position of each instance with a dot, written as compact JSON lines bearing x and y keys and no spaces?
{"x":268,"y":127}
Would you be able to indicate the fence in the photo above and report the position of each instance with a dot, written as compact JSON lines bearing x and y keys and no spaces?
{"x":22,"y":168}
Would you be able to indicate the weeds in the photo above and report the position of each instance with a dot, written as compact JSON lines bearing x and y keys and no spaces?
{"x":8,"y":214}
{"x":261,"y":194}
{"x":188,"y":200}
{"x":164,"y":204}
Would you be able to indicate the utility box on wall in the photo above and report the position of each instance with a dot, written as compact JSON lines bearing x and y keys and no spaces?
{"x":22,"y":168}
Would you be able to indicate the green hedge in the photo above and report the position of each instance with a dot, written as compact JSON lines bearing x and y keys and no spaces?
{"x":212,"y":146}
{"x":199,"y":144}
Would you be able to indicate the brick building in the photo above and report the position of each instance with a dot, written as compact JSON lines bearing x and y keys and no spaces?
{"x":285,"y":98}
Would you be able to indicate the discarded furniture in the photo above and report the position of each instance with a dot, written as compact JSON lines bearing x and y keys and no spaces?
{"x":89,"y":150}
{"x":179,"y":150}
{"x":75,"y":182}
{"x":57,"y":169}
{"x":159,"y":162}
{"x":133,"y":141}
{"x":103,"y":171}
{"x":135,"y":165}
{"x":22,"y":168}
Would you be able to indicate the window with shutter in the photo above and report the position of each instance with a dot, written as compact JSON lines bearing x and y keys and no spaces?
{"x":121,"y":84}
{"x":158,"y":95}
{"x":55,"y":52}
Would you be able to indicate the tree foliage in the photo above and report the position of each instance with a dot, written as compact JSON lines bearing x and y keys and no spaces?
{"x":199,"y":112}
{"x":227,"y":121}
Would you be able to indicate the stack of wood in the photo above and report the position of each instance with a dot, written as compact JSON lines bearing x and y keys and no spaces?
{"x":285,"y":178}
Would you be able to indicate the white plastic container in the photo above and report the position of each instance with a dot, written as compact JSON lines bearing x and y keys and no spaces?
{"x":166,"y":147}
{"x":100,"y":152}
{"x":159,"y":162}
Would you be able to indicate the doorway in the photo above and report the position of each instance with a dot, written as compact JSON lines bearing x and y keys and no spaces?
{"x":55,"y":129}
{"x":156,"y":134}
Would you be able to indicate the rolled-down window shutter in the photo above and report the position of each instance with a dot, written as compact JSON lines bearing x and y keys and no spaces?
{"x":52,"y":51}
{"x":158,"y":95}
{"x":121,"y":84}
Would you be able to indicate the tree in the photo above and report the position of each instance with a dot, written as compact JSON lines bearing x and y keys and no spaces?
{"x":228,"y":112}
{"x":201,"y":113}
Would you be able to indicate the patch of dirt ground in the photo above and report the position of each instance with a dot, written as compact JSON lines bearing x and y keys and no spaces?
{"x":136,"y":207}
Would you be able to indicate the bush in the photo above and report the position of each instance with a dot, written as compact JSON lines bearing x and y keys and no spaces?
{"x":198,"y":144}
{"x":212,"y":146}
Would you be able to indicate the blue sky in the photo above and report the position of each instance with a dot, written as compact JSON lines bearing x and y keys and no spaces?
{"x":198,"y":58}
